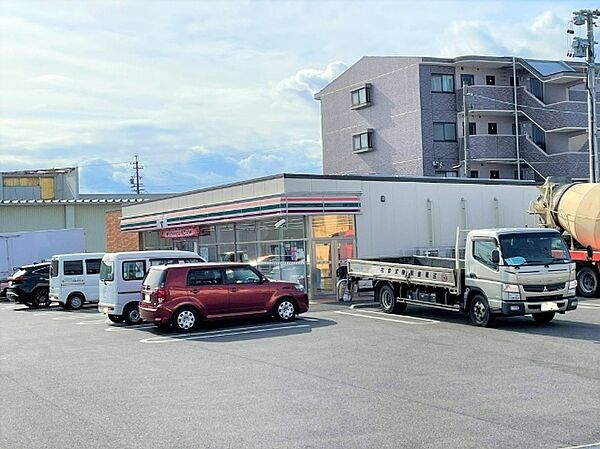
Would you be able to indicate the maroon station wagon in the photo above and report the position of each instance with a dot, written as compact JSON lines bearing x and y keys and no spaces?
{"x":183,"y":295}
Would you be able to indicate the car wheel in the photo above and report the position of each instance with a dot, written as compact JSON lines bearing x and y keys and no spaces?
{"x":75,"y":302}
{"x":544,"y":317}
{"x":587,"y":282}
{"x":480,"y":313}
{"x":132,"y":314}
{"x":185,"y":319}
{"x":387,"y":300}
{"x":285,"y":310}
{"x":115,"y":318}
{"x":40,"y":297}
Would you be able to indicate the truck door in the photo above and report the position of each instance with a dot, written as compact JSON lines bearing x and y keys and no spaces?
{"x":482,"y":272}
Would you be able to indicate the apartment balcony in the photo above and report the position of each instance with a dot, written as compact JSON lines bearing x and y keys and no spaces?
{"x":564,"y":116}
{"x":490,"y":148}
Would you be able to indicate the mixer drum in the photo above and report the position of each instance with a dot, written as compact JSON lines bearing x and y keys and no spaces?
{"x":577,"y":209}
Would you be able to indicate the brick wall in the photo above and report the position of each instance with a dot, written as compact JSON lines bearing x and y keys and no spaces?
{"x":117,"y":240}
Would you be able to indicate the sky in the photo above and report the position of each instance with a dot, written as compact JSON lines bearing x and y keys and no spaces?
{"x":211,"y":92}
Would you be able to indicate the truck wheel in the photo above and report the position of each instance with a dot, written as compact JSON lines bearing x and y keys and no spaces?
{"x":387,"y":300}
{"x":132,"y":314}
{"x":480,"y":313}
{"x":75,"y":302}
{"x":544,"y":317}
{"x":587,"y":282}
{"x":115,"y":318}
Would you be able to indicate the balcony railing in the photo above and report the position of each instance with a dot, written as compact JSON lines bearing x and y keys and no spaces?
{"x":566,"y":114}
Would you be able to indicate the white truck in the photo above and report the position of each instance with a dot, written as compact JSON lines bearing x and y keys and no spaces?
{"x":508,"y":272}
{"x":28,"y":247}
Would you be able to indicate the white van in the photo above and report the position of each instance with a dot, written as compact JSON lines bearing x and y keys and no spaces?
{"x":121,"y":277}
{"x":74,"y":279}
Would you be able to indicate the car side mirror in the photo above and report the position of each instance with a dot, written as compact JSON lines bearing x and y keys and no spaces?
{"x":495,"y":257}
{"x":263,"y":280}
{"x":590,"y":252}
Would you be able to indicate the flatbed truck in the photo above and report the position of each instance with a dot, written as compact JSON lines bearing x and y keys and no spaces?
{"x":505,"y":272}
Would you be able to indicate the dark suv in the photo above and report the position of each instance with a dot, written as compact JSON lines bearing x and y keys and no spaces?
{"x":29,"y":285}
{"x":182,"y":295}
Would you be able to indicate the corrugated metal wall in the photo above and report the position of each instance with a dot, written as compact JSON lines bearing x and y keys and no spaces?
{"x":90,"y":217}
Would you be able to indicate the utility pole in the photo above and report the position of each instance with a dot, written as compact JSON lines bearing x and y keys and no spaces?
{"x":466,"y":132}
{"x":585,"y":47}
{"x":516,"y":110}
{"x":136,"y":178}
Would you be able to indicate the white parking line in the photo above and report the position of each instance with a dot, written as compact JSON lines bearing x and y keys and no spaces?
{"x":394,"y":320}
{"x":96,"y":322}
{"x":128,"y":328}
{"x":405,"y":316}
{"x":220,"y":333}
{"x":63,"y":318}
{"x":597,"y":445}
{"x":44,"y":313}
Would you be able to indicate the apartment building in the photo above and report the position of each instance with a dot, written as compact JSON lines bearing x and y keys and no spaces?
{"x":404,"y":116}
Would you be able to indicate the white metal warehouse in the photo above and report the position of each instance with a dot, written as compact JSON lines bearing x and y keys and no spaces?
{"x":301,"y":227}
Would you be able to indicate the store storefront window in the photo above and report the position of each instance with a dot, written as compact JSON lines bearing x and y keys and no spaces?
{"x":208,"y":235}
{"x":329,"y":226}
{"x":294,"y":228}
{"x":208,"y":253}
{"x":246,"y":232}
{"x":152,"y":240}
{"x":267,"y":230}
{"x":225,"y":233}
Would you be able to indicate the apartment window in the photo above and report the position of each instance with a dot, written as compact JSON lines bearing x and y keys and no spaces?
{"x":444,"y":132}
{"x":490,"y":80}
{"x":537,"y":88}
{"x":446,"y":174}
{"x":512,"y":81}
{"x":474,"y":174}
{"x":520,"y":129}
{"x":362,"y":142}
{"x":472,"y":129}
{"x":361,"y":97}
{"x":468,"y":80}
{"x":442,"y":83}
{"x":494,"y":174}
{"x":492,"y":128}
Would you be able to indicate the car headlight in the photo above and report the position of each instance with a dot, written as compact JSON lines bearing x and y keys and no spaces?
{"x":572,"y":287}
{"x":511,"y":292}
{"x":299,"y":287}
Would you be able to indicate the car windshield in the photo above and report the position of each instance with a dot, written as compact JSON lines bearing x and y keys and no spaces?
{"x":107,"y":272}
{"x":540,"y":248}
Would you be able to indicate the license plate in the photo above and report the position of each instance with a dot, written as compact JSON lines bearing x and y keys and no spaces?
{"x":146,"y":297}
{"x":549,"y":306}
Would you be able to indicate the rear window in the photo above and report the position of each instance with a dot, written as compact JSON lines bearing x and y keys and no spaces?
{"x":107,"y":272}
{"x":72,"y":267}
{"x":155,"y":278}
{"x":134,"y":270}
{"x":92,"y":266}
{"x":54,"y":268}
{"x":201,"y":276}
{"x":44,"y":271}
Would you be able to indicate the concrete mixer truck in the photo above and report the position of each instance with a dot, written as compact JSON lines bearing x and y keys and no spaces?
{"x":574,"y":209}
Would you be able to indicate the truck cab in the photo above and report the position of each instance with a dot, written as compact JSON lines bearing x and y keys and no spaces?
{"x":518,"y":271}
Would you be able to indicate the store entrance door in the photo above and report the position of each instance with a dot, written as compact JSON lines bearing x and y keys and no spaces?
{"x":327,"y":256}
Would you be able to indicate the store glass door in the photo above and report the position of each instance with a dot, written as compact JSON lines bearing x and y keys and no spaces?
{"x":327,"y":257}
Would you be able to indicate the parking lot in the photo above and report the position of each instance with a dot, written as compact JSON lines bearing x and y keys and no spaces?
{"x":338,"y":377}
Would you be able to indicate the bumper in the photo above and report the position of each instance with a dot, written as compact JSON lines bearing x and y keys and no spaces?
{"x":302,"y":304}
{"x":16,"y":297}
{"x":528,"y":307}
{"x":55,"y":297}
{"x":151,"y":314}
{"x":110,"y":309}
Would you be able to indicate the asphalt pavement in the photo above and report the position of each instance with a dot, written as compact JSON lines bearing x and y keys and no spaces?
{"x":338,"y":377}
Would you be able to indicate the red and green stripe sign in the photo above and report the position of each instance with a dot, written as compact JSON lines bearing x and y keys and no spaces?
{"x":250,"y":209}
